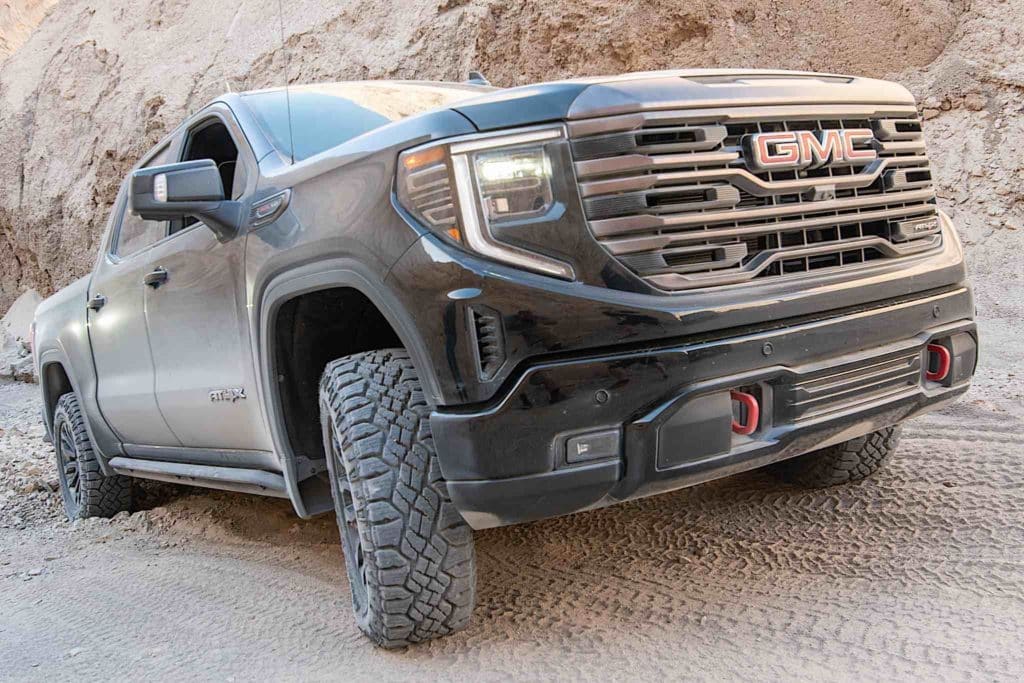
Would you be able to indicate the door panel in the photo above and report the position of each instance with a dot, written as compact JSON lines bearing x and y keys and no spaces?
{"x":199,"y":335}
{"x":120,"y":344}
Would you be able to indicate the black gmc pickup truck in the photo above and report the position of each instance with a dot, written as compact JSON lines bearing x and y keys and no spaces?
{"x":441,"y":307}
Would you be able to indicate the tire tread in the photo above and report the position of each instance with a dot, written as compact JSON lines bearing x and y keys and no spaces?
{"x":418,"y":551}
{"x":102,"y":495}
{"x":844,"y":463}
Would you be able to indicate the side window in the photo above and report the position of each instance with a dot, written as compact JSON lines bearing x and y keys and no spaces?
{"x":135,"y":234}
{"x":211,"y":140}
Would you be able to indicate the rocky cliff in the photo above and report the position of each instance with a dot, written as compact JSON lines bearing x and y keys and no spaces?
{"x":95,"y":84}
{"x":18,"y":18}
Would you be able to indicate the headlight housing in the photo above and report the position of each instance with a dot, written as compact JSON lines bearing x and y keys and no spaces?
{"x":471,"y":189}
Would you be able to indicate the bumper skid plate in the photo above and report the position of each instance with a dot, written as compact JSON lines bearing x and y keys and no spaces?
{"x":579,"y":434}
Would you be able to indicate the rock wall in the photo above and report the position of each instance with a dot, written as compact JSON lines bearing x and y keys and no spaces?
{"x":96,"y":84}
{"x":18,"y":18}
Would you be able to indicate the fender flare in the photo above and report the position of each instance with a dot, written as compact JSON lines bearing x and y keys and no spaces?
{"x":321,"y":275}
{"x":48,"y":358}
{"x":55,"y":355}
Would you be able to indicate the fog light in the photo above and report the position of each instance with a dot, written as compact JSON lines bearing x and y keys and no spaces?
{"x":593,"y":446}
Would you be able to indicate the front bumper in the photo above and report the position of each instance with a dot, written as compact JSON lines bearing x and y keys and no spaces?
{"x":819,"y":382}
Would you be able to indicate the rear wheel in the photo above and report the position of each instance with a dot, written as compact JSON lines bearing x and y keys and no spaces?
{"x":408,"y":552}
{"x":843,"y":463}
{"x":84,"y":489}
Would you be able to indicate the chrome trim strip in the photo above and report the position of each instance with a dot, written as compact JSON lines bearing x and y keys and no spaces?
{"x":900,"y":146}
{"x":723,"y":256}
{"x":886,"y":129}
{"x":629,"y":224}
{"x":636,"y":162}
{"x":623,"y":122}
{"x":676,"y":281}
{"x":741,"y":178}
{"x":897,"y":179}
{"x":629,"y":245}
{"x":710,"y":197}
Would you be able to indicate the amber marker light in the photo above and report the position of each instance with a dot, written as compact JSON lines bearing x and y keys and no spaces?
{"x":423,"y":158}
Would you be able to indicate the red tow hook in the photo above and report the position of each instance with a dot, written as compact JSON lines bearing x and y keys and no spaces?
{"x":749,"y":402}
{"x":941,"y":353}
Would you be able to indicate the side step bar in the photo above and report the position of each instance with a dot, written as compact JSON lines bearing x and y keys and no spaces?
{"x":225,"y":478}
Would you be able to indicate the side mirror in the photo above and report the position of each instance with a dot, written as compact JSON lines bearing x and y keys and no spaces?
{"x":191,"y":188}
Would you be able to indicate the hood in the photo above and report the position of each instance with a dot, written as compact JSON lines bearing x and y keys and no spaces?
{"x":683,"y":89}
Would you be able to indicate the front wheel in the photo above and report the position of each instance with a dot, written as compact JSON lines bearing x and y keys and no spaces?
{"x":843,"y":463}
{"x":408,"y":552}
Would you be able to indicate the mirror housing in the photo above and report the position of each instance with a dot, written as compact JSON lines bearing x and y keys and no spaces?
{"x":189,"y":188}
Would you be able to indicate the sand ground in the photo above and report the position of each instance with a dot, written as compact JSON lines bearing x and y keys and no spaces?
{"x":918,"y":573}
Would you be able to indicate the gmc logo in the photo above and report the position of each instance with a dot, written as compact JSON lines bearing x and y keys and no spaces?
{"x":802,"y":149}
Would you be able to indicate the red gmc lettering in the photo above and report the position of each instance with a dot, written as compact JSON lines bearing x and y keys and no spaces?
{"x":808,"y":149}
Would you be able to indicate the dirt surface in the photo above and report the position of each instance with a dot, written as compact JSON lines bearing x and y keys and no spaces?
{"x":918,"y":573}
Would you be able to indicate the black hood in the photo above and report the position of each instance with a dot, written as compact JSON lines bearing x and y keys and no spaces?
{"x":694,"y":88}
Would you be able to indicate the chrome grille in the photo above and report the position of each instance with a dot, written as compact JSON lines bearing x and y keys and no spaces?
{"x":670,"y":195}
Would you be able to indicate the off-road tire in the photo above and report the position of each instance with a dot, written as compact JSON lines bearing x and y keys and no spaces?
{"x":413,"y":574}
{"x":843,"y":463}
{"x":85,"y":490}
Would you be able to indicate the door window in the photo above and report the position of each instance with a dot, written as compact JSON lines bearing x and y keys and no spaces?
{"x":211,"y":140}
{"x":135,"y":233}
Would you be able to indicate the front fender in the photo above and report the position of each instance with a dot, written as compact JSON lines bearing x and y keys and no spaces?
{"x":321,"y":275}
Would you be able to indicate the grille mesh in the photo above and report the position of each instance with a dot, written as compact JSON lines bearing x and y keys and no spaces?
{"x":664,"y":192}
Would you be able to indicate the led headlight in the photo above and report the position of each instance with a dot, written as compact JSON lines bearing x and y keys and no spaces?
{"x":464,"y":189}
{"x":513,"y":184}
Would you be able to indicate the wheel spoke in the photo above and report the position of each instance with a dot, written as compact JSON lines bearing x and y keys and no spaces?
{"x":67,"y":462}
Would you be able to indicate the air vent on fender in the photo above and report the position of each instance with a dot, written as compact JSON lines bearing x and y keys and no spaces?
{"x":488,"y":340}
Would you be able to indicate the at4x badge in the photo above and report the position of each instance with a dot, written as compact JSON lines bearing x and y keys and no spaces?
{"x":800,"y":149}
{"x":232,"y":394}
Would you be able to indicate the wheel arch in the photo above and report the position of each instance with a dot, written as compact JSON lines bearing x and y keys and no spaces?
{"x":344,"y":278}
{"x":57,"y":377}
{"x":54,"y":382}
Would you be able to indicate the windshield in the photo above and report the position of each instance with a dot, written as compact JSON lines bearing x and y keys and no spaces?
{"x":324,"y":116}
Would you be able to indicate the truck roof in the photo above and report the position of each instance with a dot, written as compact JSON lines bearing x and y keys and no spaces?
{"x":311,"y":118}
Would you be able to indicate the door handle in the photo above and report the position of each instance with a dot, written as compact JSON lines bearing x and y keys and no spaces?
{"x":156,"y":278}
{"x":97,"y":302}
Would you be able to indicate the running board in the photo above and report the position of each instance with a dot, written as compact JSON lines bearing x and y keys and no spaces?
{"x":225,"y":478}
